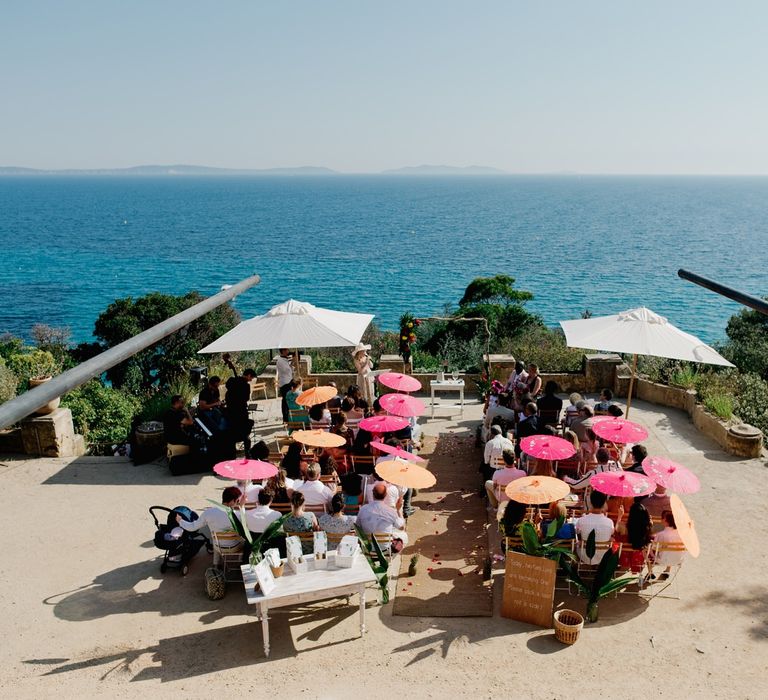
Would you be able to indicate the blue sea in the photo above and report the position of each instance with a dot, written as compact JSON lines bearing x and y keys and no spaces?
{"x":380,"y":244}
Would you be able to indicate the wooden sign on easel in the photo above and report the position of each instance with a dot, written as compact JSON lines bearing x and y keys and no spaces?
{"x":529,"y":589}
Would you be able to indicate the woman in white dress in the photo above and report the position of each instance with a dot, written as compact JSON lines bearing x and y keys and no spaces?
{"x":364,"y":367}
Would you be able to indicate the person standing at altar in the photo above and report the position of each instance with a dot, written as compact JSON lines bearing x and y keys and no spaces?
{"x":364,"y":367}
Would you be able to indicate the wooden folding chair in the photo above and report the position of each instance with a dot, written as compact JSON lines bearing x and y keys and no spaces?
{"x":258,"y":387}
{"x":363,"y":463}
{"x":229,"y":548}
{"x":658,"y":561}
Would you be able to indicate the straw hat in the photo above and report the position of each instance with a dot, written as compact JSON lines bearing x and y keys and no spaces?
{"x":360,"y":347}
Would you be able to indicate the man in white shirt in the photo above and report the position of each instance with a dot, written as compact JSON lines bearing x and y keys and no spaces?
{"x":492,"y":455}
{"x":315,"y":492}
{"x":284,"y":377}
{"x":217,"y":520}
{"x":596,"y":520}
{"x":394,"y":493}
{"x":506,"y":475}
{"x":377,"y":516}
{"x":262,"y":516}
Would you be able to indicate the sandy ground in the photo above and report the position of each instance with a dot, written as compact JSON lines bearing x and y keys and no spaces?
{"x":87,"y":613}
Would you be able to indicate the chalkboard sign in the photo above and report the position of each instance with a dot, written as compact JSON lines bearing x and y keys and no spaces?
{"x":529,"y":589}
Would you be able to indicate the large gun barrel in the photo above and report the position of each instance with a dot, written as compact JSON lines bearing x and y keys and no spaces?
{"x":747,"y":299}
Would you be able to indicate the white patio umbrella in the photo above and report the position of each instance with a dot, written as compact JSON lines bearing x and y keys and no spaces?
{"x":639,"y":332}
{"x":293,"y":324}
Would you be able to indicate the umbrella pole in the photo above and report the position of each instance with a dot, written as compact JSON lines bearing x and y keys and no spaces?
{"x":297,"y":363}
{"x":631,"y":383}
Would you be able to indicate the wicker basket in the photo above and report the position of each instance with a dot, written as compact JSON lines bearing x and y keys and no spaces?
{"x":568,"y":624}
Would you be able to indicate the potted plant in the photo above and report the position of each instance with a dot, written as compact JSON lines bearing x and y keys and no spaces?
{"x":603,"y":583}
{"x":408,"y":325}
{"x":35,"y":368}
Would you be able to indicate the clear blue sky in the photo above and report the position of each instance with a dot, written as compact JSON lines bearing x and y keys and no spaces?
{"x":677,"y":86}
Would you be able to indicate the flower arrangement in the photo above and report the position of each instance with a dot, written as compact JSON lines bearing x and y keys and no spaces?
{"x":408,"y":326}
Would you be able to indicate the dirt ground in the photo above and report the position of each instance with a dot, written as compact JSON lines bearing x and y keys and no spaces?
{"x":86,"y":612}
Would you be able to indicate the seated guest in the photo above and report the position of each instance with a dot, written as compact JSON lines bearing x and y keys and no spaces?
{"x":354,"y":393}
{"x":614,"y":411}
{"x":583,"y":422}
{"x":260,"y":451}
{"x":606,"y":397}
{"x":639,"y":453}
{"x":328,"y":466}
{"x":495,"y":486}
{"x":378,"y":517}
{"x":571,"y":411}
{"x":394,"y":494}
{"x":669,"y":535}
{"x":588,"y":448}
{"x":315,"y":492}
{"x":352,"y":489}
{"x":604,"y":464}
{"x":336,"y":521}
{"x":340,"y":427}
{"x":528,"y":426}
{"x":319,"y":417}
{"x":175,"y":421}
{"x":299,"y":521}
{"x":596,"y":521}
{"x":262,"y":516}
{"x":494,"y":448}
{"x":351,"y":410}
{"x":295,"y":463}
{"x":550,"y":405}
{"x":511,"y":515}
{"x":280,"y":488}
{"x":541,"y":467}
{"x":657,"y":502}
{"x":250,"y":489}
{"x":558,"y":511}
{"x":335,"y":401}
{"x":217,"y":520}
{"x":503,"y":410}
{"x":636,"y":536}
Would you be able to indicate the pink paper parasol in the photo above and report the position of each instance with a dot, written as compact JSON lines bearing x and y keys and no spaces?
{"x":399,"y":382}
{"x":619,"y":430}
{"x":402,"y":405}
{"x":547,"y":447}
{"x":624,"y":484}
{"x":244,"y":469}
{"x":396,"y":451}
{"x":671,"y":475}
{"x":383,"y":424}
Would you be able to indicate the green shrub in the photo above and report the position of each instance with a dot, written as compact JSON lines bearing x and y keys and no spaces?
{"x":547,"y":348}
{"x":752,"y":401}
{"x":720,"y":404}
{"x":685,"y":376}
{"x":103,"y":415}
{"x":34,"y":364}
{"x":424,"y":362}
{"x":8,"y":382}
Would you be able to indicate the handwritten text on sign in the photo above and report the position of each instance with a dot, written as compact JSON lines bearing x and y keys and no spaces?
{"x":529,"y":589}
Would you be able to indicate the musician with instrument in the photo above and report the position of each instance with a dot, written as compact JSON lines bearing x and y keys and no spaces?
{"x":238,"y":397}
{"x":175,"y":421}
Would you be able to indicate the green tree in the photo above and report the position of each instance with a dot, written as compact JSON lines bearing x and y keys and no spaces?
{"x":125,"y":318}
{"x":101,"y":414}
{"x":496,"y":299}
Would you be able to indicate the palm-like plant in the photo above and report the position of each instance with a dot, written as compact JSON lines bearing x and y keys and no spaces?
{"x":603,"y":584}
{"x":548,"y":547}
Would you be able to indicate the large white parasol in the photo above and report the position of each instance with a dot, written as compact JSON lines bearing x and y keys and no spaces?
{"x":639,"y":332}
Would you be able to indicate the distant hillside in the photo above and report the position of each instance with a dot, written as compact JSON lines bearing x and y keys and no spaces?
{"x":445,"y":170}
{"x":171,"y":170}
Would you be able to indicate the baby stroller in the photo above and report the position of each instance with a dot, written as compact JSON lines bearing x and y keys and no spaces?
{"x":179,"y":547}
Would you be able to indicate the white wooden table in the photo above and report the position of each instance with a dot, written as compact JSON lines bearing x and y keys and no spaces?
{"x":315,"y":584}
{"x":446,"y":385}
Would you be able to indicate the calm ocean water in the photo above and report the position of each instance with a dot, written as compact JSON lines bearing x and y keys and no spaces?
{"x":380,"y":244}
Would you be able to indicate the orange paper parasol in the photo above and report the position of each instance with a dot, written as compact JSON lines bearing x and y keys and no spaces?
{"x":537,"y":489}
{"x":318,"y":438}
{"x":685,"y":527}
{"x":316,"y":395}
{"x":401,"y":473}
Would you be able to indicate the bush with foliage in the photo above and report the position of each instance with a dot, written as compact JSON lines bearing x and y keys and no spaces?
{"x":103,"y":415}
{"x":747,"y":345}
{"x":547,"y":348}
{"x":34,"y":364}
{"x":752,"y":401}
{"x":8,"y":382}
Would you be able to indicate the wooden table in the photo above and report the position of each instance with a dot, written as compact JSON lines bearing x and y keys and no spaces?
{"x":315,"y":584}
{"x":446,"y":385}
